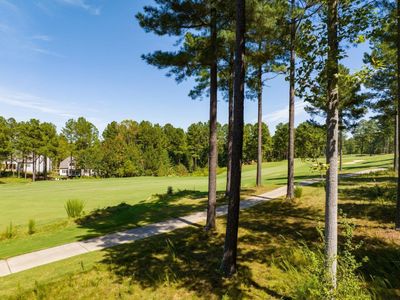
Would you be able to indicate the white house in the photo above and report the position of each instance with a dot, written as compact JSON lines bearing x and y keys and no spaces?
{"x":68,"y":168}
{"x":41,"y":162}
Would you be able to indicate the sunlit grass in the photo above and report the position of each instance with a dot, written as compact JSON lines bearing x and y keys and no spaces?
{"x":184,"y":264}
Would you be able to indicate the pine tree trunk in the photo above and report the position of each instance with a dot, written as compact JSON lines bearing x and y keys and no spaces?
{"x":228,"y":265}
{"x":341,"y":149}
{"x":396,"y":142}
{"x":332,"y":121}
{"x":33,"y":167}
{"x":398,"y":123}
{"x":12,"y":166}
{"x":259,"y":141}
{"x":230,"y":125}
{"x":45,"y":168}
{"x":25,"y":166}
{"x":213,"y":150}
{"x":290,"y":182}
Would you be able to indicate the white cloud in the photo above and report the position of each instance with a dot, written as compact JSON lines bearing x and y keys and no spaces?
{"x":46,"y":52}
{"x":23,"y":106}
{"x":32,"y":102}
{"x":83,"y":5}
{"x":282,"y":115}
{"x":42,"y":37}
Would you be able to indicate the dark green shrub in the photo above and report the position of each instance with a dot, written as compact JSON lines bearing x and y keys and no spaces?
{"x":180,"y":170}
{"x":170,"y":191}
{"x":31,"y":226}
{"x":74,"y":208}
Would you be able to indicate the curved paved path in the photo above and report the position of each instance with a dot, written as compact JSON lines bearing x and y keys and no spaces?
{"x":38,"y":258}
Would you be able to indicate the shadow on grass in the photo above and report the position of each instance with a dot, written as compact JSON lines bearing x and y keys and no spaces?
{"x":357,"y":180}
{"x":157,"y":208}
{"x":297,"y":178}
{"x":382,"y":268}
{"x":377,"y":192}
{"x":366,"y":163}
{"x":373,"y":212}
{"x":369,"y":198}
{"x":190,"y":258}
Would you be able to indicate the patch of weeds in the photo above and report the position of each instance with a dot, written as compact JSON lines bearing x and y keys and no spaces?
{"x":306,"y":275}
{"x":10,"y":232}
{"x":298,"y":192}
{"x":31,"y":227}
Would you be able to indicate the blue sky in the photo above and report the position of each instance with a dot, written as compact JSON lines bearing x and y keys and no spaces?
{"x":63,"y":59}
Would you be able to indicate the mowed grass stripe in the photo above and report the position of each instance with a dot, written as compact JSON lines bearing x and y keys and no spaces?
{"x":44,"y":202}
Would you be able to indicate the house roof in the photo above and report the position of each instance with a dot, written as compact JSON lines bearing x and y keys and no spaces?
{"x":65,"y":164}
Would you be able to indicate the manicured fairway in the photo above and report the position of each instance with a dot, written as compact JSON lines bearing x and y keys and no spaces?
{"x":183,"y":264}
{"x":44,"y":201}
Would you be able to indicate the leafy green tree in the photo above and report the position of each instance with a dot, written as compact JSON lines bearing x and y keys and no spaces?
{"x":82,"y":136}
{"x":34,"y":141}
{"x":176,"y":143}
{"x":279,"y":141}
{"x":49,"y":144}
{"x":250,"y":142}
{"x":120,"y":151}
{"x":152,"y":143}
{"x":5,"y":139}
{"x":197,"y":138}
{"x":310,"y":140}
{"x":368,"y":137}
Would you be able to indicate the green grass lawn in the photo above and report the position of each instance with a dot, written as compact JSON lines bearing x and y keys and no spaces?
{"x":184,"y":264}
{"x":44,"y":202}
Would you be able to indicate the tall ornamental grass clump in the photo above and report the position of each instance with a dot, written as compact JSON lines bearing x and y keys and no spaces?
{"x":298,"y":192}
{"x":74,"y":208}
{"x":9,"y":233}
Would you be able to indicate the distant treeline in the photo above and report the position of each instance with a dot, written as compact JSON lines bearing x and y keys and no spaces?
{"x":131,"y":148}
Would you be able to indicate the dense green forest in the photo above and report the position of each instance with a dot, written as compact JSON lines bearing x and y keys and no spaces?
{"x":131,"y":148}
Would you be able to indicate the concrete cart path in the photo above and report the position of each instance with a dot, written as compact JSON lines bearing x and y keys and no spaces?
{"x":38,"y":258}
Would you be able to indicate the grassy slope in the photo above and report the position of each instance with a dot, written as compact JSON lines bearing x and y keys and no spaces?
{"x":44,"y":202}
{"x":184,"y":264}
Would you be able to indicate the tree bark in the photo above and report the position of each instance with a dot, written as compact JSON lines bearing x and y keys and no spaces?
{"x":12,"y":166}
{"x":45,"y":168}
{"x":230,"y":125}
{"x":33,"y":167}
{"x":228,"y":265}
{"x":398,"y":123}
{"x":25,"y":166}
{"x":213,"y":151}
{"x":341,"y":149}
{"x":396,"y":141}
{"x":259,"y":141}
{"x":290,"y":181}
{"x":332,"y":121}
